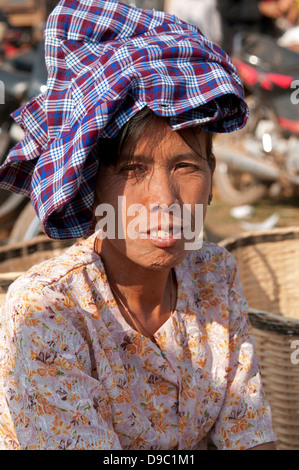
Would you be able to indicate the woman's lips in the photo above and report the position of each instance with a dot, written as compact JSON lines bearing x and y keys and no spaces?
{"x":163,"y":238}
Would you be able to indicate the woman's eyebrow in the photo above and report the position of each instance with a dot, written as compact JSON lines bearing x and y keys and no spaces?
{"x":142,"y":158}
{"x":139,"y":158}
{"x":189,"y":155}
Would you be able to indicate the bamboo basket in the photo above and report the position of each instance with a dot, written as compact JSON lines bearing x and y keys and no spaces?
{"x":17,"y":259}
{"x":269,"y":271}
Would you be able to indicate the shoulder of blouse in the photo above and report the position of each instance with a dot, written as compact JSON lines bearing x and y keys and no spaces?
{"x":54,"y":270}
{"x":58,"y":271}
{"x":210,"y":253}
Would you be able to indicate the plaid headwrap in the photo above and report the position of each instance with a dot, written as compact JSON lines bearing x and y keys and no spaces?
{"x":106,"y":61}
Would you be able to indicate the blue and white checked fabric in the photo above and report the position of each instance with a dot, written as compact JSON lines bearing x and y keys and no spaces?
{"x":106,"y":61}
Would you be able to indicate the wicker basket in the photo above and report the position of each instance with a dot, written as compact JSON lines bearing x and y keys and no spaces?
{"x":16,"y":259}
{"x":269,"y":271}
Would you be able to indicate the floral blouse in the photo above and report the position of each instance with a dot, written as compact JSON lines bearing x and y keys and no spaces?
{"x":75,"y":375}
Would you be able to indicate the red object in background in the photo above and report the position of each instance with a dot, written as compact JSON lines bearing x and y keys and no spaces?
{"x":247,"y":73}
{"x":270,"y":79}
{"x":13,"y":43}
{"x":10,"y":50}
{"x":289,"y":125}
{"x":251,"y":77}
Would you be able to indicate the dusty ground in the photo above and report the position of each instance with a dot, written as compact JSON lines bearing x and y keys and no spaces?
{"x":220,"y":224}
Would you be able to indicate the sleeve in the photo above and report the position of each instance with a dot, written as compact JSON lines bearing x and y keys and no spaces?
{"x":245,"y":419}
{"x":49,"y":399}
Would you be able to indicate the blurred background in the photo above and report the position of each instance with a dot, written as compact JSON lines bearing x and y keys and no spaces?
{"x":260,"y":192}
{"x":255,"y":208}
{"x":257,"y":177}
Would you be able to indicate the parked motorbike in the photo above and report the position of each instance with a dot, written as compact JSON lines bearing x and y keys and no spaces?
{"x":262,"y":160}
{"x":23,"y":77}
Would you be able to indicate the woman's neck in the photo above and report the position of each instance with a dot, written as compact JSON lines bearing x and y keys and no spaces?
{"x":149,"y":295}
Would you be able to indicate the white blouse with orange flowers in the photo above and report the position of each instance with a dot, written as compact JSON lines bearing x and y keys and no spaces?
{"x":75,"y":375}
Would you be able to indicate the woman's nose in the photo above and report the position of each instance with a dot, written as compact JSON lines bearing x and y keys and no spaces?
{"x":162,"y":189}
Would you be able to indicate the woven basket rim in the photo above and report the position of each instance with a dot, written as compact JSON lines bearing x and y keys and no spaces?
{"x":35,"y":245}
{"x":279,"y":324}
{"x":265,"y":236}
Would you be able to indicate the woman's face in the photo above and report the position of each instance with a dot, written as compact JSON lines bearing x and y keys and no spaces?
{"x":163,"y":194}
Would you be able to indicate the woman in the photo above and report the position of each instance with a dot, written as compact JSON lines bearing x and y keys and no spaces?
{"x":128,"y":341}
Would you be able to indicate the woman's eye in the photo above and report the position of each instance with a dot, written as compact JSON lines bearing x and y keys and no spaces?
{"x":132,"y":169}
{"x":199,"y":166}
{"x":187,"y":165}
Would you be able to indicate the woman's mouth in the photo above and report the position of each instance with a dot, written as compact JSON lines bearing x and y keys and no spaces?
{"x":163,"y":238}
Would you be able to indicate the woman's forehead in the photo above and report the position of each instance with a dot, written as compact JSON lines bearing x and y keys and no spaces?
{"x":159,"y":139}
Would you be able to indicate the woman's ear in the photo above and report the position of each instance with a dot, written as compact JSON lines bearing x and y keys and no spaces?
{"x":212,"y":163}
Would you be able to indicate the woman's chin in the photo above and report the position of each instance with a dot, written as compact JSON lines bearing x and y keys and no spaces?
{"x":159,"y":253}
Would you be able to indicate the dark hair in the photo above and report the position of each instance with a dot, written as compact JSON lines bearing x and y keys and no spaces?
{"x":110,"y":149}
